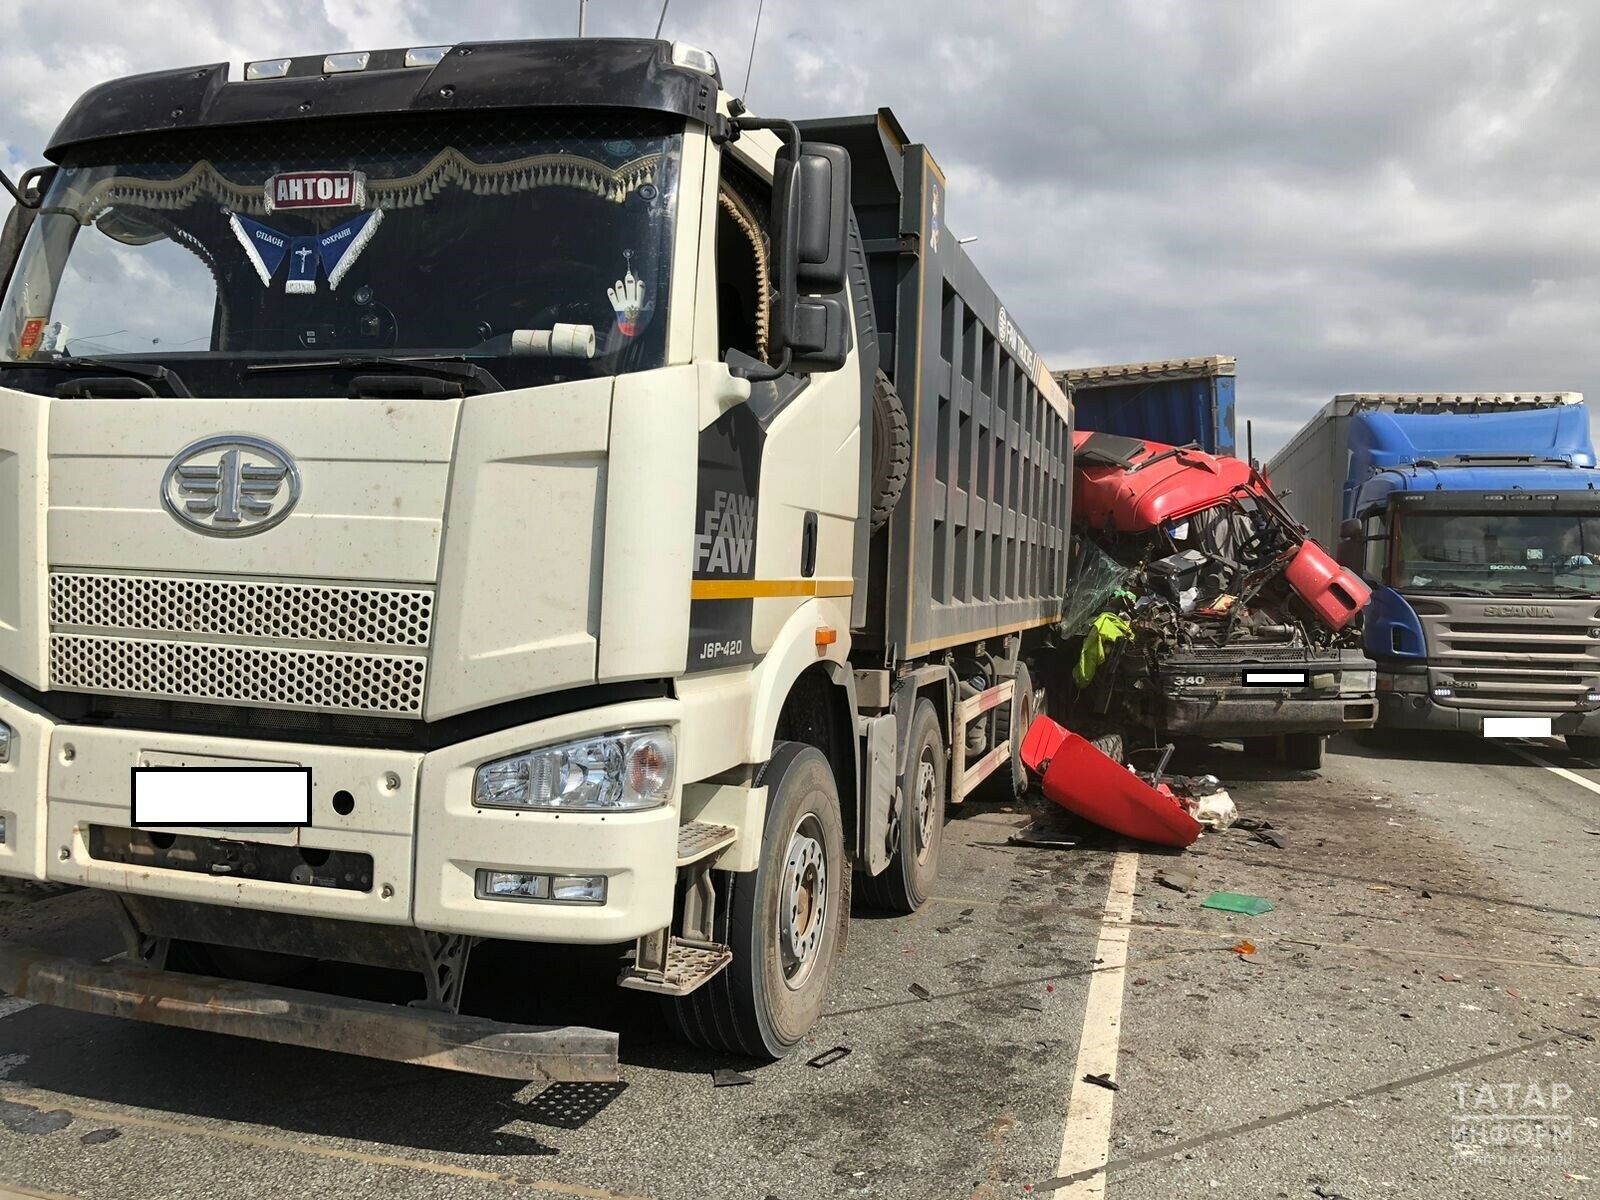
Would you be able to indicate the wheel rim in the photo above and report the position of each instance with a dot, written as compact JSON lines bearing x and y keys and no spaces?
{"x":927,"y":802}
{"x":803,"y":904}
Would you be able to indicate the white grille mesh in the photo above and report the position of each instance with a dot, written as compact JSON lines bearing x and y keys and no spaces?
{"x":227,"y":608}
{"x":350,"y":682}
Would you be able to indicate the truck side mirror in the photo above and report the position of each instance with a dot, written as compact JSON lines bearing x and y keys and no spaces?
{"x":1350,"y":530}
{"x":811,"y":223}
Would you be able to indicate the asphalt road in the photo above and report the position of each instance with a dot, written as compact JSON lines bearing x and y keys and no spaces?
{"x":1426,"y":987}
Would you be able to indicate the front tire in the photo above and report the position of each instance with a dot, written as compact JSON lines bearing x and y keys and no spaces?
{"x":906,"y":883}
{"x":1584,"y":745}
{"x":783,"y":921}
{"x":1303,"y":751}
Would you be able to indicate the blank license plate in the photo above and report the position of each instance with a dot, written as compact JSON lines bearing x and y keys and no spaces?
{"x":231,"y":796}
{"x":1516,"y":727}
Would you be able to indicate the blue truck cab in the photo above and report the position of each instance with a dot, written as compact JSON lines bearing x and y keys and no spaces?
{"x":1475,"y":519}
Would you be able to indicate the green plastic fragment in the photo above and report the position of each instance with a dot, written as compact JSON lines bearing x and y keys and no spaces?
{"x":1250,"y":906}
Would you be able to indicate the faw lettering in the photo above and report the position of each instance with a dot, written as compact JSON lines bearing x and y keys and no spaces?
{"x":726,"y":542}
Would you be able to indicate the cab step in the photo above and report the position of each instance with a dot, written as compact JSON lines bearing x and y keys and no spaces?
{"x":701,"y":839}
{"x":689,"y":964}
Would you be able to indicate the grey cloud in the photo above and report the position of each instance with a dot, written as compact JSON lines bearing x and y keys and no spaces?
{"x":1364,"y":195}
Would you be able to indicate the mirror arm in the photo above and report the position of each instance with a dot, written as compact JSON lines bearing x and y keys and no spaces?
{"x":788,"y":268}
{"x":30,"y":192}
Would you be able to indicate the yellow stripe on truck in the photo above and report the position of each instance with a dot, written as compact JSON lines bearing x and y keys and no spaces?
{"x":765,"y":589}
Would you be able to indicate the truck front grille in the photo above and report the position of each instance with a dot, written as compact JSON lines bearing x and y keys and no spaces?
{"x":1537,"y":666}
{"x":350,"y":649}
{"x":286,"y":612}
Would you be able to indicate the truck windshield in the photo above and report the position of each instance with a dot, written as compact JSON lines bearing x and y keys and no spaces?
{"x":1499,"y":552}
{"x":535,"y":244}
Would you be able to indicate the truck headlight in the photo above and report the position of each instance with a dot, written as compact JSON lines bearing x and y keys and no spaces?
{"x":6,"y":735}
{"x":611,"y":772}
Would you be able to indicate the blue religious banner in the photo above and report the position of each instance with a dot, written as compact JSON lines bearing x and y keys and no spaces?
{"x":334,"y":252}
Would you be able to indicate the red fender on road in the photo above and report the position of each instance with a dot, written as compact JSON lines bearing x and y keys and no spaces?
{"x":1082,"y":780}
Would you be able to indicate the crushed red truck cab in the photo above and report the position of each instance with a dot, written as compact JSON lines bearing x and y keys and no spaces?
{"x":1204,"y":608}
{"x":1130,"y":485}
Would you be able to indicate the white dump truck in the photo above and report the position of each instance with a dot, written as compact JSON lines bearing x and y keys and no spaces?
{"x":500,"y":491}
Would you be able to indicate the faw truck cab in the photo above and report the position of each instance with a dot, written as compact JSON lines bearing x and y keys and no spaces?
{"x":500,"y":491}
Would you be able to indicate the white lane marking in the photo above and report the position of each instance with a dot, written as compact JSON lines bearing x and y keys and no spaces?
{"x":1086,"y":1137}
{"x":11,"y":1005}
{"x":1550,"y":766}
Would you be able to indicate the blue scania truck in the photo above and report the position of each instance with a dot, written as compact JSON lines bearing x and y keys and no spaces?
{"x":1475,"y":519}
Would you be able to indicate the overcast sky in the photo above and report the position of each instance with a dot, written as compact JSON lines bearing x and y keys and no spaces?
{"x":1350,"y":196}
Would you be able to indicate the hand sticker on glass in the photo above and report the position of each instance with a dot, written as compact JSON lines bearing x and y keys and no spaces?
{"x":627,"y":298}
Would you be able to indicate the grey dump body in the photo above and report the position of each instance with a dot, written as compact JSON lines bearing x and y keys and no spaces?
{"x":977,"y":544}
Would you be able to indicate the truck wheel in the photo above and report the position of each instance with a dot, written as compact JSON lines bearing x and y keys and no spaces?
{"x":783,"y":921}
{"x":1304,"y":750}
{"x":1261,"y":747}
{"x":908,"y":879}
{"x":891,"y":450}
{"x":1012,"y":721}
{"x":1583,"y":745}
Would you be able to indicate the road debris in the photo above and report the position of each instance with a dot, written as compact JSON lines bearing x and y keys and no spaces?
{"x":1237,"y":902}
{"x":1104,"y":1081}
{"x":722,"y":1077}
{"x":1040,"y":835}
{"x":1244,"y":946}
{"x":828,"y":1057}
{"x":1178,"y":881}
{"x":1270,"y":837}
{"x":98,"y":1137}
{"x":920,"y":992}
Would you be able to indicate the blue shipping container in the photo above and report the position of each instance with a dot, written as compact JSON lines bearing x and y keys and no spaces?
{"x":1179,"y":401}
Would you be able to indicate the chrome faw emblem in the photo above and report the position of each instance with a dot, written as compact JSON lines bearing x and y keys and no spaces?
{"x":231,"y":486}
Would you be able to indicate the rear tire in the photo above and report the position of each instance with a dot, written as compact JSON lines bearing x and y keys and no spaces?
{"x":1011,"y":781}
{"x":1303,"y":751}
{"x":1584,"y":745}
{"x":907,"y":881}
{"x":783,"y":921}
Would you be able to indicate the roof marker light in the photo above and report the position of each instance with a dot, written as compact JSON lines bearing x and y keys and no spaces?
{"x":336,"y":64}
{"x":267,"y":68}
{"x":694,"y":58}
{"x":426,"y":56}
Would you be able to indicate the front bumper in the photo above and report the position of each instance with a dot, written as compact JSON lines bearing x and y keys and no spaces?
{"x":411,"y":812}
{"x":1412,"y":710}
{"x":414,"y":1035}
{"x":1257,"y":712}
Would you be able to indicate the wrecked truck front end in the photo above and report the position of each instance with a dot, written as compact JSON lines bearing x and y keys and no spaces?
{"x":1202,"y":609}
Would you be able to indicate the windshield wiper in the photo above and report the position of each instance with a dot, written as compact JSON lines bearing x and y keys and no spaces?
{"x":1566,"y":589}
{"x":1447,"y":589}
{"x":436,"y":367}
{"x":150,"y":372}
